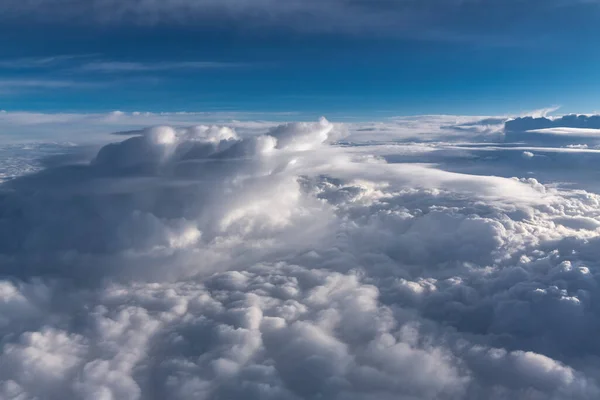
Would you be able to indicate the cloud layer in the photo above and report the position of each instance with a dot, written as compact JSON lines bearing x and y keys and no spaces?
{"x":434,"y":19}
{"x":302,"y":261}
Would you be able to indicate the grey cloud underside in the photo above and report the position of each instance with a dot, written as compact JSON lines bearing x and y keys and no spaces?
{"x":435,"y":18}
{"x":297,"y":263}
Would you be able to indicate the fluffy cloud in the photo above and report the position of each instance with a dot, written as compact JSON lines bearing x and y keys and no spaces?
{"x":302,"y":261}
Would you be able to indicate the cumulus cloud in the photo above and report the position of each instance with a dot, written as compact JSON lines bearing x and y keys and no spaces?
{"x":21,"y":127}
{"x":301,"y":261}
{"x":528,"y":154}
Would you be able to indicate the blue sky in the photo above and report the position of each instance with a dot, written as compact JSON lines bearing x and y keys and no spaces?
{"x":338,"y":57}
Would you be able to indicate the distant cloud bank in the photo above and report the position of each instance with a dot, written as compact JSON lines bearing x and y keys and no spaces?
{"x":567,"y":121}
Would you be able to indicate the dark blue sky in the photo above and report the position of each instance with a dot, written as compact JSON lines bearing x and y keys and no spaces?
{"x":347,"y":57}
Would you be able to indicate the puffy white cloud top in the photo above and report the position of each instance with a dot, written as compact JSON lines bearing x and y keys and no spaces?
{"x":202,"y":263}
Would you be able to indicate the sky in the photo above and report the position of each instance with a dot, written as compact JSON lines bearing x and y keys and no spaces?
{"x":341,"y":58}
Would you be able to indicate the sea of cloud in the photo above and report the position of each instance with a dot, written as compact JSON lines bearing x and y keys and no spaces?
{"x":418,"y":258}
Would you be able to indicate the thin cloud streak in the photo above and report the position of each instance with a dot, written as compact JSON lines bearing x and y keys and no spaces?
{"x":40,"y":84}
{"x":41,"y":62}
{"x":123,"y":66}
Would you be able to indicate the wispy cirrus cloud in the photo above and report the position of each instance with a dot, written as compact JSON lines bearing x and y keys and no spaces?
{"x":126,"y":66}
{"x":58,"y":72}
{"x":40,"y":84}
{"x":88,"y":63}
{"x":16,"y":86}
{"x":42,"y":62}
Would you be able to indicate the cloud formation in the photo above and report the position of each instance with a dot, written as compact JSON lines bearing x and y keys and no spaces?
{"x":121,"y":66}
{"x":434,"y":19}
{"x":36,"y":84}
{"x":566,"y":121}
{"x":91,"y":63}
{"x":300,"y":262}
{"x":566,"y":129}
{"x":85,"y":128}
{"x":39,"y":62}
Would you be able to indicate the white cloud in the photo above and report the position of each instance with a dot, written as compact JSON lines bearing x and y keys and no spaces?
{"x":86,"y":128}
{"x":300,"y":261}
{"x":544,"y":122}
{"x":528,"y":154}
{"x":542,"y":112}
